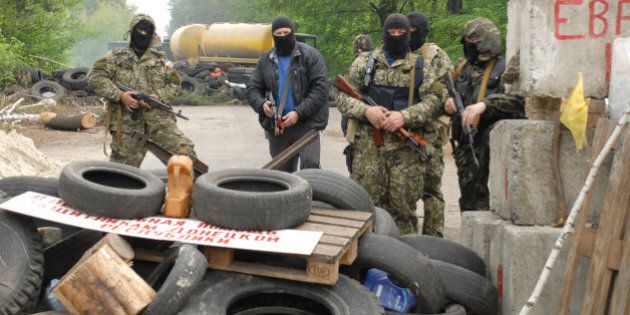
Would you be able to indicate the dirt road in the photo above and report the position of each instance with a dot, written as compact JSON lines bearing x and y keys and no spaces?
{"x":229,"y":137}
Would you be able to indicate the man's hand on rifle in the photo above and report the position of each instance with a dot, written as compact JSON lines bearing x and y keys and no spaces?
{"x":130,"y":103}
{"x":145,"y":104}
{"x":394,"y":121}
{"x":470,"y":118}
{"x":376,"y":115}
{"x":267,"y":108}
{"x":290,"y":119}
{"x":450,"y":107}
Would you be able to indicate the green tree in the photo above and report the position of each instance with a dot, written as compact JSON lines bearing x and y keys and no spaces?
{"x":32,"y":31}
{"x":115,"y":15}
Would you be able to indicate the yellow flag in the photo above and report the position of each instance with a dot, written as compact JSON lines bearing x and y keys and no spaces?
{"x":575,"y":113}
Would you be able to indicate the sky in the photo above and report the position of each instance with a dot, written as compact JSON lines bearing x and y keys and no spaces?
{"x":157,"y":9}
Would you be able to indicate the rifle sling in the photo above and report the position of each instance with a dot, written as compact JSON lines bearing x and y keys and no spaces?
{"x":484,"y":81}
{"x":412,"y":79}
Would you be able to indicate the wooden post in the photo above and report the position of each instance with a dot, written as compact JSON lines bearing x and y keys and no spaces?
{"x":102,"y":283}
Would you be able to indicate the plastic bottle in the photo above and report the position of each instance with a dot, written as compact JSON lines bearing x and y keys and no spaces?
{"x":51,"y":300}
{"x":180,"y":180}
{"x":391,"y":296}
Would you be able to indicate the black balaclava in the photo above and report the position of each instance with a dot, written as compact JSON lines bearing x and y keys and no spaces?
{"x":470,"y":51}
{"x":284,"y":44}
{"x":141,"y":42}
{"x":421,"y":22}
{"x":396,"y":46}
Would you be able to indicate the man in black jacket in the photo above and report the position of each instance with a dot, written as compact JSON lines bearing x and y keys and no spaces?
{"x":295,"y":74}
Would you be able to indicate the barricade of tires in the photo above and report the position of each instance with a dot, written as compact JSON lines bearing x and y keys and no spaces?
{"x":205,"y":78}
{"x":442,"y":276}
{"x":62,"y":84}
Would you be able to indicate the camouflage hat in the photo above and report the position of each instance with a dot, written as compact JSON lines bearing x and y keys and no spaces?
{"x":134,"y":20}
{"x":485,"y":34}
{"x":363,"y":42}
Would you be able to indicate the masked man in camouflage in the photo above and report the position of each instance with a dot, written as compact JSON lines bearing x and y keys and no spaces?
{"x":436,"y":133}
{"x":478,"y":80}
{"x":392,"y":173}
{"x":142,"y":68}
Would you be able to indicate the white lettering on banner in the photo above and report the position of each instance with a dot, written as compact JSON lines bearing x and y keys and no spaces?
{"x":165,"y":229}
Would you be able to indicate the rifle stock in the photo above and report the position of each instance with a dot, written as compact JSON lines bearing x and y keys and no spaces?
{"x":414,"y":140}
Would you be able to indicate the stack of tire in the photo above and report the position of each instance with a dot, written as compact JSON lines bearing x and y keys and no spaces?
{"x":196,"y":79}
{"x":71,"y":83}
{"x":445,"y":278}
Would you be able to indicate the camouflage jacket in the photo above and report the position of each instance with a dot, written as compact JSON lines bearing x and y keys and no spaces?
{"x":431,"y":51}
{"x":498,"y":104}
{"x":146,"y":74}
{"x":419,"y":116}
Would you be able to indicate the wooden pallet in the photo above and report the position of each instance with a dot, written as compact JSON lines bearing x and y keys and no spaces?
{"x":608,"y":246}
{"x":338,"y":245}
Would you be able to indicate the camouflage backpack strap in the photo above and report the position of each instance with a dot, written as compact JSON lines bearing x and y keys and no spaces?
{"x":424,"y":50}
{"x":484,"y":81}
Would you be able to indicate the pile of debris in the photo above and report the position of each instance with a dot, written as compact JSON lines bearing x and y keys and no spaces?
{"x":208,"y":78}
{"x":66,"y":85}
{"x":18,"y":156}
{"x":150,"y":270}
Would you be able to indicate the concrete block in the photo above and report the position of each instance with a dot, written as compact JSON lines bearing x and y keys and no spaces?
{"x":521,"y":174}
{"x":558,"y":39}
{"x":515,"y":257}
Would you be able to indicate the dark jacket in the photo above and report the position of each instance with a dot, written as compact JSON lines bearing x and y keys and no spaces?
{"x":310,"y":86}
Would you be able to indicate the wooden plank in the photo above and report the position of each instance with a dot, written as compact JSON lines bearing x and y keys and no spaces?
{"x":345,"y":214}
{"x":335,"y":240}
{"x":148,"y":255}
{"x":586,"y":245}
{"x":335,"y":221}
{"x":611,"y":224}
{"x":604,"y":129}
{"x":327,"y":253}
{"x":614,"y":255}
{"x":316,"y":276}
{"x":324,"y":272}
{"x":328,"y":229}
{"x":351,"y":254}
{"x":219,"y":257}
{"x":103,"y":284}
{"x":620,"y":300}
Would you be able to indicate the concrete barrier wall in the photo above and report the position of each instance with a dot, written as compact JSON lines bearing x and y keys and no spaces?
{"x":521,"y":175}
{"x":515,"y":256}
{"x":557,"y":39}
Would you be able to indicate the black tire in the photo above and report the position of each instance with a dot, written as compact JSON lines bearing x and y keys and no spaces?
{"x":192,"y":85}
{"x":187,"y":266}
{"x":111,"y":189}
{"x":21,"y":263}
{"x":252,"y":199}
{"x":384,"y":224}
{"x":450,"y":309}
{"x":462,"y":286}
{"x":336,"y":190}
{"x":236,"y":78}
{"x":234,"y":293}
{"x":161,"y":173}
{"x":36,"y":75}
{"x":447,"y":251}
{"x":202,"y":75}
{"x":190,"y":70}
{"x":406,"y":266}
{"x":237,"y":70}
{"x":76,"y":79}
{"x":38,"y":89}
{"x":17,"y":185}
{"x":57,"y":75}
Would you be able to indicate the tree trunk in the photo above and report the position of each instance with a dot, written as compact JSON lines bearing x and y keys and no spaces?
{"x":72,"y":123}
{"x":453,"y":6}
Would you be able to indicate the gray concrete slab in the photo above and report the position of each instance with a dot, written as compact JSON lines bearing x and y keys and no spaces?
{"x":558,"y":40}
{"x":521,"y":175}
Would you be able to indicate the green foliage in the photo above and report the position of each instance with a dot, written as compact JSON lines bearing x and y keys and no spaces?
{"x":32,"y":31}
{"x":114,"y":14}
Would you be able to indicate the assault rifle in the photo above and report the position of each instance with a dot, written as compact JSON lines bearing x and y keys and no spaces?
{"x":413,"y":140}
{"x":152,"y":102}
{"x":460,"y":112}
{"x":276,"y":114}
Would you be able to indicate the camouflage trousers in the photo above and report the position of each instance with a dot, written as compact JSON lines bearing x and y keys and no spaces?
{"x":393,"y":179}
{"x":473,"y":180}
{"x":432,"y":195}
{"x":158,"y":126}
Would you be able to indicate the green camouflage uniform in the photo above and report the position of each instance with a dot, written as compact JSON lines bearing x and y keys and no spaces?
{"x":147,"y":74}
{"x":393,"y":173}
{"x":432,"y":194}
{"x":473,"y":181}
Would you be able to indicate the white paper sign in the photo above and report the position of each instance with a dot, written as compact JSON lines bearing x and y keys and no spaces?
{"x":166,"y":229}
